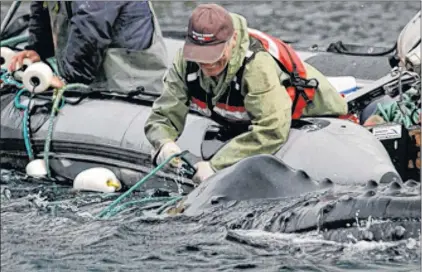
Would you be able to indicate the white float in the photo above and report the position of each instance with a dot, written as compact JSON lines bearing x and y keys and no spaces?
{"x":97,"y":179}
{"x":36,"y":169}
{"x":37,"y":77}
{"x":6,"y":55}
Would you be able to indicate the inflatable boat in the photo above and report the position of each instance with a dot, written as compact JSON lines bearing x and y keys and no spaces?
{"x":108,"y":131}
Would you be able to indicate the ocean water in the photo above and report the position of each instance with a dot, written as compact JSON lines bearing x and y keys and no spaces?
{"x":47,"y":227}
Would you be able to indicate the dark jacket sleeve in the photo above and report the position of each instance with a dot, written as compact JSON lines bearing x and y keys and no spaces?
{"x":39,"y":30}
{"x":90,"y":34}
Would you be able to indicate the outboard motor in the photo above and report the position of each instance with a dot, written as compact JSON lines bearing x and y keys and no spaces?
{"x":409,"y":45}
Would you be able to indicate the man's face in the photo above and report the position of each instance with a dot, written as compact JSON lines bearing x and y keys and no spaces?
{"x":216,"y":68}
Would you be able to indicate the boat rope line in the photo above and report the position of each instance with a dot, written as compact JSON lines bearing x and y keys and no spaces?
{"x":57,"y":97}
{"x":112,"y":210}
{"x":58,"y":101}
{"x":26,"y":122}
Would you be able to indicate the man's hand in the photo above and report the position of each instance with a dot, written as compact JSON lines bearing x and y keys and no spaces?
{"x":203,"y":171}
{"x":17,"y":60}
{"x":56,"y":83}
{"x":167,"y":150}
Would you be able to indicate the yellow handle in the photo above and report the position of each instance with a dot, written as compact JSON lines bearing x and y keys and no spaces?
{"x":113,"y":183}
{"x":176,"y":161}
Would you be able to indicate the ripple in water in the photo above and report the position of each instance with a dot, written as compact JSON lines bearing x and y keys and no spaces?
{"x":34,"y":238}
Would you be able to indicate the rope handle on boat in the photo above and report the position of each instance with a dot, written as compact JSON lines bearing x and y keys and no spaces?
{"x":171,"y":200}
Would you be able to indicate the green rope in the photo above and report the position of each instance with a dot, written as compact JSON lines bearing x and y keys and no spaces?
{"x":7,"y":78}
{"x":57,"y":97}
{"x":25,"y":123}
{"x":53,"y":64}
{"x":14,"y":41}
{"x":404,"y":112}
{"x":169,"y":199}
{"x":139,"y":183}
{"x":168,"y":204}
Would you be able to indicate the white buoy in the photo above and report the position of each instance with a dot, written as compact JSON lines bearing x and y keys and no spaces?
{"x":18,"y":74}
{"x":36,"y":169}
{"x":37,"y":77}
{"x":6,"y":55}
{"x":97,"y":179}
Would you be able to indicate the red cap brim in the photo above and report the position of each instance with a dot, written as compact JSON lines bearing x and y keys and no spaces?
{"x":203,"y":53}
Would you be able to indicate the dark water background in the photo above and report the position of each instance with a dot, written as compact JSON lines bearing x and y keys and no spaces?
{"x":375,"y":23}
{"x":45,"y":228}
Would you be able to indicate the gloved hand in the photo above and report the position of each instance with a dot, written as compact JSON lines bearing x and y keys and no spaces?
{"x":167,"y":150}
{"x":203,"y":171}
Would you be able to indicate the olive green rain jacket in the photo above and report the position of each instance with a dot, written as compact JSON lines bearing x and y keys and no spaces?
{"x":265,"y":99}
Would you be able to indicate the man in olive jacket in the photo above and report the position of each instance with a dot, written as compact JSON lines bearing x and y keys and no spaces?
{"x":217,"y":44}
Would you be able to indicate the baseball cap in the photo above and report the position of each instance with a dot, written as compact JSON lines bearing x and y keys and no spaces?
{"x":210,"y":27}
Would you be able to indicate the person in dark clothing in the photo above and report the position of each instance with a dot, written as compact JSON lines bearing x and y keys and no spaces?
{"x":119,"y":43}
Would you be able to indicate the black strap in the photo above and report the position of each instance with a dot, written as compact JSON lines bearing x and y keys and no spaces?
{"x":75,"y":97}
{"x":194,"y":86}
{"x":300,"y":85}
{"x":68,"y":5}
{"x":298,"y":82}
{"x":30,"y":133}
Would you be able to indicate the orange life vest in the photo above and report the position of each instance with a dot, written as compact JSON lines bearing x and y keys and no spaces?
{"x":302,"y":90}
{"x":288,"y":58}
